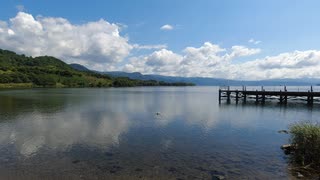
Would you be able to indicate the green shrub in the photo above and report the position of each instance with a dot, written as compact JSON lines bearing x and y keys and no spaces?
{"x":305,"y":137}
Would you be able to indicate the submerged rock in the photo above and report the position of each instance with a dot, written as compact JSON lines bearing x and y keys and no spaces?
{"x":172,"y":170}
{"x":216,"y":175}
{"x":288,"y":148}
{"x":75,"y":161}
{"x":138,"y":169}
{"x":299,"y":175}
{"x":115,"y":169}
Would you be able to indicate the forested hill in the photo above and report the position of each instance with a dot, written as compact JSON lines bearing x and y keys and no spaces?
{"x":46,"y":71}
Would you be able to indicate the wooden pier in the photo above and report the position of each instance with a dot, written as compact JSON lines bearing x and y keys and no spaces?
{"x":261,"y":95}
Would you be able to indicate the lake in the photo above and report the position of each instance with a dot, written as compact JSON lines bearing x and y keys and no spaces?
{"x":142,"y":133}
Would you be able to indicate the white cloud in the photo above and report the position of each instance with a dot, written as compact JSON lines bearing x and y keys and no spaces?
{"x":167,"y":27}
{"x":159,"y":62}
{"x":10,"y":32}
{"x":297,"y":64}
{"x":253,"y":41}
{"x":162,"y":58}
{"x":148,"y":47}
{"x":240,"y":51}
{"x":210,"y":60}
{"x":208,"y":55}
{"x":207,"y":60}
{"x":94,"y":43}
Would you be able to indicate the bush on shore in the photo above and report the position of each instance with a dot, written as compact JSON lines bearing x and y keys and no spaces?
{"x":305,"y":137}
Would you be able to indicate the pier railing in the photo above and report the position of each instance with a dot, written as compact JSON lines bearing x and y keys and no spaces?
{"x":273,"y":88}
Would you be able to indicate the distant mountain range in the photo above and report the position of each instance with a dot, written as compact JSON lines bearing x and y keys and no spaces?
{"x":205,"y":81}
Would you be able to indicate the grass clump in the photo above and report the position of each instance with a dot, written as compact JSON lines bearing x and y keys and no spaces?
{"x":305,"y":137}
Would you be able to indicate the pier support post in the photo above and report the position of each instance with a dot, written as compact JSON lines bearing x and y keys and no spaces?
{"x":228,"y":96}
{"x":244,"y":97}
{"x":263,"y":98}
{"x":219,"y":96}
{"x":281,"y":98}
{"x":237,"y":96}
{"x":310,"y":98}
{"x":257,"y":97}
{"x":285,"y":95}
{"x":285,"y":99}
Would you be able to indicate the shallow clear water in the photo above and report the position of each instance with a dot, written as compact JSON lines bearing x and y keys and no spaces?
{"x":142,"y":133}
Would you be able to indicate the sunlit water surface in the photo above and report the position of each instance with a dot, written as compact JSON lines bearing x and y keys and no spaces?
{"x":142,"y":133}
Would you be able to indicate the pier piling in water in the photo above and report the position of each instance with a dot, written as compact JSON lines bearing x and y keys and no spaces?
{"x":228,"y":97}
{"x":237,"y":96}
{"x":219,"y":96}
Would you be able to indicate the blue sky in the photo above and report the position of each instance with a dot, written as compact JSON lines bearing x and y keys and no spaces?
{"x":276,"y":27}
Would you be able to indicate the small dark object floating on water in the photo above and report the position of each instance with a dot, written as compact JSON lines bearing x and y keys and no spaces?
{"x":283,"y":131}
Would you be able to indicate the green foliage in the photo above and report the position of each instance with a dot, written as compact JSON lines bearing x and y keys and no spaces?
{"x":46,"y":71}
{"x":123,"y":82}
{"x":16,"y":85}
{"x":306,"y":139}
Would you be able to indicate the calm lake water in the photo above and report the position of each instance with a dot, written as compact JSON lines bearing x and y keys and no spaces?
{"x":142,"y":133}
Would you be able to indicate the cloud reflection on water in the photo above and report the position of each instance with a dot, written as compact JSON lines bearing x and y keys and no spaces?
{"x":64,"y":129}
{"x":98,"y":120}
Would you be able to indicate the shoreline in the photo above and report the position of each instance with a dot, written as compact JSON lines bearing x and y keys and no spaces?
{"x":31,"y":86}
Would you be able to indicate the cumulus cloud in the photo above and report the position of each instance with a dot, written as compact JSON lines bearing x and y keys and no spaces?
{"x":148,"y":47}
{"x":211,"y":60}
{"x":162,"y":58}
{"x":167,"y":27}
{"x":97,"y":42}
{"x":159,"y":62}
{"x":208,"y":60}
{"x":253,"y":41}
{"x":297,"y":64}
{"x":240,"y":51}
